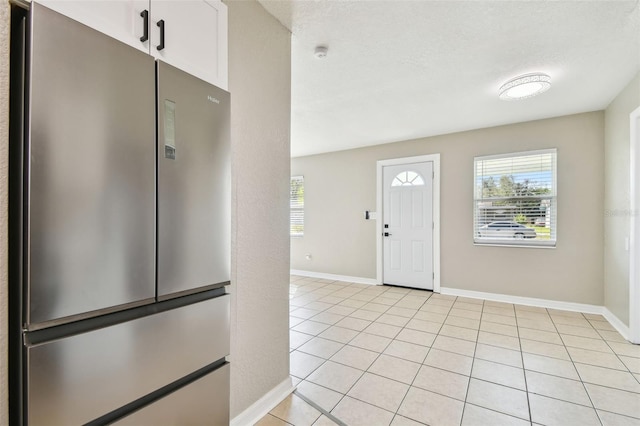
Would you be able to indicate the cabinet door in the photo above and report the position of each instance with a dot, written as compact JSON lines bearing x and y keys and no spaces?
{"x":195,"y":37}
{"x":120,"y":19}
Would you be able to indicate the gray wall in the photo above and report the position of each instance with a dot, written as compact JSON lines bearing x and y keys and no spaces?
{"x":617,"y":199}
{"x":260,"y":86}
{"x":259,"y":82}
{"x":340,"y":186}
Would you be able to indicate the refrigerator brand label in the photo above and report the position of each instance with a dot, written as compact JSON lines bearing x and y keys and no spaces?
{"x":212,"y":99}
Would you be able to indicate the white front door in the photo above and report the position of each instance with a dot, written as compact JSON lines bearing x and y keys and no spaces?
{"x":407,"y":213}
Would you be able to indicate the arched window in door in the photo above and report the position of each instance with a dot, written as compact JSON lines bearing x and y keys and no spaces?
{"x":407,"y":178}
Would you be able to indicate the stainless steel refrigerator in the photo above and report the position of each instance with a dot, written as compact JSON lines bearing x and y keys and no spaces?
{"x":119,"y":232}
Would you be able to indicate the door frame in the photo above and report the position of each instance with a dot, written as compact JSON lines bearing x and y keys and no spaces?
{"x":634,"y":228}
{"x":435,"y":205}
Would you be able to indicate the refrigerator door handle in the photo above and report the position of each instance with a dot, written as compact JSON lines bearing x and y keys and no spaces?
{"x":161,"y":25}
{"x":145,"y":31}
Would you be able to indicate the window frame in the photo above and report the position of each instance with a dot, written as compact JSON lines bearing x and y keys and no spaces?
{"x":299,"y":208}
{"x":552,"y":197}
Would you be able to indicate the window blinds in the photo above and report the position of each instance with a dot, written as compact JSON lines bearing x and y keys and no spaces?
{"x":515,"y":199}
{"x":296,"y":203}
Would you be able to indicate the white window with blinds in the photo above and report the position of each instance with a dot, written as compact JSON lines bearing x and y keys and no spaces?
{"x":515,"y":199}
{"x":296,"y":203}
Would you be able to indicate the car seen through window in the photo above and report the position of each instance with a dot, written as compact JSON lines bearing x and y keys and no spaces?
{"x":506,"y":230}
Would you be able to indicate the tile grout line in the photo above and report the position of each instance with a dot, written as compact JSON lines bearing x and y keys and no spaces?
{"x":524,"y":370}
{"x":319,"y":408}
{"x":576,"y":369}
{"x":466,"y":395}
{"x":395,"y":414}
{"x":616,"y":355}
{"x":421,"y":364}
{"x":496,"y":362}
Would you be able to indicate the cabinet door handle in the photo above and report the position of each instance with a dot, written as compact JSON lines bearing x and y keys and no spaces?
{"x":145,"y":31}
{"x":161,"y":25}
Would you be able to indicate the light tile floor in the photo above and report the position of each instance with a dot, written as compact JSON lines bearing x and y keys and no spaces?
{"x":380,"y":355}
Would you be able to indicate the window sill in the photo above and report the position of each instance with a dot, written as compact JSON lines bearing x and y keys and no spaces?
{"x":533,"y":246}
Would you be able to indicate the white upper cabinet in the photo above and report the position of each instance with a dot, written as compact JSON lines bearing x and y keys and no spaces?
{"x":195,"y":31}
{"x":120,"y":19}
{"x":195,"y":37}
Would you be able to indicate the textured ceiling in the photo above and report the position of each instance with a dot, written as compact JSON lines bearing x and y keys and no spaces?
{"x":398,"y":70}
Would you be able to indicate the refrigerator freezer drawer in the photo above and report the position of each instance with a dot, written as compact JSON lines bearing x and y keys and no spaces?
{"x":91,"y":172}
{"x":79,"y":378}
{"x":194,"y":183}
{"x":203,"y":402}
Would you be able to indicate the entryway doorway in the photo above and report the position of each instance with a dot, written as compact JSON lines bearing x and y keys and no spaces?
{"x":409,"y":222}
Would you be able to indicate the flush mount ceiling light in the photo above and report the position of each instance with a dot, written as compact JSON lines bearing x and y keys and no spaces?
{"x":525,"y":86}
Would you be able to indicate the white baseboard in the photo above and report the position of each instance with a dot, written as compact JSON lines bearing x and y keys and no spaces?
{"x":529,"y":301}
{"x":311,"y":274}
{"x":621,"y":327}
{"x":261,"y":407}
